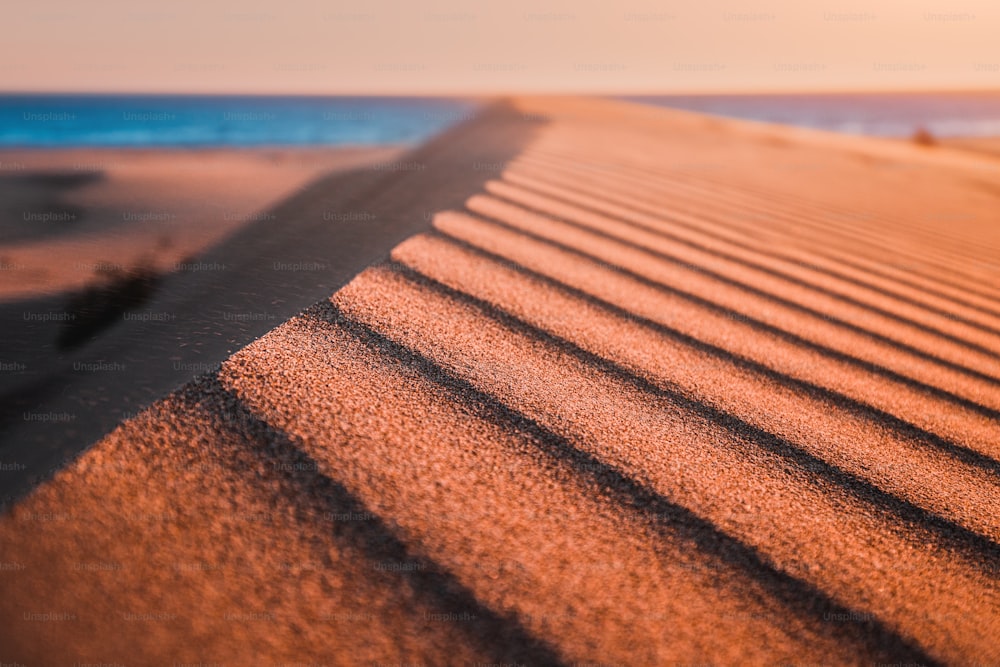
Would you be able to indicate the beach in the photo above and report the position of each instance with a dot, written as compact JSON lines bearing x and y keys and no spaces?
{"x":595,"y":383}
{"x":73,"y":213}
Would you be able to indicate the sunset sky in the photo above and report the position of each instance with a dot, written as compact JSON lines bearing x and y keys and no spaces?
{"x":474,"y":46}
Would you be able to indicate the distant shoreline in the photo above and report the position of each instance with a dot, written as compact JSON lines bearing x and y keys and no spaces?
{"x":185,"y":121}
{"x":944,"y":114}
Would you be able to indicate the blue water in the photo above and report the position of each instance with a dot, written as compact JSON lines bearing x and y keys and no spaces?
{"x":160,"y":120}
{"x":880,"y":114}
{"x":205,"y":121}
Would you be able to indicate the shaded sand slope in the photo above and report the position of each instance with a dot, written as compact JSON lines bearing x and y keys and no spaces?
{"x":648,"y":396}
{"x":66,"y":347}
{"x":287,"y":258}
{"x":151,"y":207}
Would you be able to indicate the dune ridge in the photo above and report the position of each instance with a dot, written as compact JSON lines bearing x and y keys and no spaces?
{"x":641,"y":394}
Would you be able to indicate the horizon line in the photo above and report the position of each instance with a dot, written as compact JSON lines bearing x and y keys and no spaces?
{"x":508,"y":93}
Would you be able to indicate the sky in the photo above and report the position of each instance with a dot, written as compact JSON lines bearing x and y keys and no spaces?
{"x":472,"y":47}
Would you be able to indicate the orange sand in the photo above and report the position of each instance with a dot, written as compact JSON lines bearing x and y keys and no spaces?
{"x":668,"y":390}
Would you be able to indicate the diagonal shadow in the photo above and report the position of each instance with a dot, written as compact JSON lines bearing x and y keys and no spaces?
{"x":760,"y":325}
{"x":958,"y":251}
{"x":827,"y":396}
{"x":501,"y":636}
{"x":785,"y":302}
{"x":949,"y":535}
{"x":650,"y":208}
{"x":840,"y":236}
{"x":860,"y":267}
{"x":871,"y":636}
{"x":848,"y":261}
{"x":668,"y":220}
{"x":789,"y":205}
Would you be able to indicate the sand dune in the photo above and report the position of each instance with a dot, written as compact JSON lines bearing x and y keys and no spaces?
{"x":647,"y":388}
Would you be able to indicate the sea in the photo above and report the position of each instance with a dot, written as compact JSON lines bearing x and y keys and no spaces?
{"x":943,"y":114}
{"x":57,"y":120}
{"x":223,"y":121}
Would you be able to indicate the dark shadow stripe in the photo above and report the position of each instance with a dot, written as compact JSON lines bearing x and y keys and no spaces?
{"x":667,"y":220}
{"x":959,"y":249}
{"x":847,"y":261}
{"x":871,"y":636}
{"x":768,"y":296}
{"x":736,"y":259}
{"x":500,"y":636}
{"x":776,"y":203}
{"x":669,"y":188}
{"x":867,"y":366}
{"x":810,"y":218}
{"x":648,"y":209}
{"x":827,"y":396}
{"x":949,"y":536}
{"x":693,"y":194}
